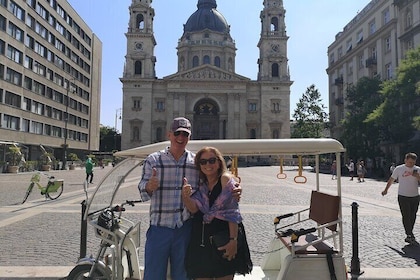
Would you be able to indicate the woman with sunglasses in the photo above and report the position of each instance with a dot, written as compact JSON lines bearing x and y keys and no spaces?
{"x":215,"y":210}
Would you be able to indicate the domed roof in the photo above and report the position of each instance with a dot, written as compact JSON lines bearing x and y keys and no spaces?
{"x":206,"y":17}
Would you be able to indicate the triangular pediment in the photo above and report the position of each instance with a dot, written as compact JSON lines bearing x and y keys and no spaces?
{"x":206,"y":73}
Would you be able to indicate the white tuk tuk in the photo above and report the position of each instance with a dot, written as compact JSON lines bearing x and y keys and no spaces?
{"x":308,"y":244}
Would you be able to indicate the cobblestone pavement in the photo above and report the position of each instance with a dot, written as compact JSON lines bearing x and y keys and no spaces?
{"x":47,"y":233}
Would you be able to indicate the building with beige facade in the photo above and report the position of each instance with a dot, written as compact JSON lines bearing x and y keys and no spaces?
{"x":50,"y":77}
{"x":206,"y":89}
{"x":371,"y":45}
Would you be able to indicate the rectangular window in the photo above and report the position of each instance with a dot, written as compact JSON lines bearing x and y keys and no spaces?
{"x":372,"y":27}
{"x":31,"y":3}
{"x":388,"y":71}
{"x":386,"y":16}
{"x":26,"y":125}
{"x":252,"y":106}
{"x":29,"y":42}
{"x":12,"y":99}
{"x":15,"y":32}
{"x":13,"y":77}
{"x":27,"y":104}
{"x":40,"y":10}
{"x":361,"y":61}
{"x":2,"y":47}
{"x":28,"y":62}
{"x":360,"y":37}
{"x":27,"y":83}
{"x":10,"y":122}
{"x":349,"y":46}
{"x":160,"y":106}
{"x":39,"y":49}
{"x":41,"y":30}
{"x":388,"y":44}
{"x":30,"y":21}
{"x":2,"y":23}
{"x":36,"y":127}
{"x":14,"y":54}
{"x":16,"y":10}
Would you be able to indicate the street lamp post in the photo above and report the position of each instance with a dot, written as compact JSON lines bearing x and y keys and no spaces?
{"x":66,"y":120}
{"x":119,"y":110}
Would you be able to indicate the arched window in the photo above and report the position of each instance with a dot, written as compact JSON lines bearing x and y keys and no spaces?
{"x":195,"y":61}
{"x":217,"y":61}
{"x":159,"y":134}
{"x":274,"y":70}
{"x":206,"y":59}
{"x":136,"y":133}
{"x":137,"y":67}
{"x":274,"y":24}
{"x":140,"y":21}
{"x":253,"y":134}
{"x":276,"y":134}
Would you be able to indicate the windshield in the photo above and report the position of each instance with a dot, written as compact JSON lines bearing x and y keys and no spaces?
{"x":107,"y":189}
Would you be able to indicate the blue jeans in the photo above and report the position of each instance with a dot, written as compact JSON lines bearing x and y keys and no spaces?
{"x":163,"y":244}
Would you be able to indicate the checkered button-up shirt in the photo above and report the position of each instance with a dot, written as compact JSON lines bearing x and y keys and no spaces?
{"x":166,"y":206}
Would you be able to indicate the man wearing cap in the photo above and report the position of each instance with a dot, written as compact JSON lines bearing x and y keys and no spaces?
{"x":170,"y":226}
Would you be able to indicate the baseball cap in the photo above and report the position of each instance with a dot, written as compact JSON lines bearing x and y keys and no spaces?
{"x":181,"y":124}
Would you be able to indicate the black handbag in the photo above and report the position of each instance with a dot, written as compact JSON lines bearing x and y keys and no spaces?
{"x":221,"y":238}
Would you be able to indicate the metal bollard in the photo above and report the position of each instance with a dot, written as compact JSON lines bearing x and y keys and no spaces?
{"x":83,"y":232}
{"x":355,"y":262}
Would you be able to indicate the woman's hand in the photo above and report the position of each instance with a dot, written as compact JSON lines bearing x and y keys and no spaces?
{"x":230,"y":249}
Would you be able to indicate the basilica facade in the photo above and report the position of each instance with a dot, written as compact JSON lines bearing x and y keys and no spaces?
{"x":205,"y":89}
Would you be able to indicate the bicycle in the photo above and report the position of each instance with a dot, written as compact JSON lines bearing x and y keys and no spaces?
{"x":52,"y":190}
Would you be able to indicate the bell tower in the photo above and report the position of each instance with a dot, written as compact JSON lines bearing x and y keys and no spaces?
{"x":273,"y":62}
{"x":140,"y":59}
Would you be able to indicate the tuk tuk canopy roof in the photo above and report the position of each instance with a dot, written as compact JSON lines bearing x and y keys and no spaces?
{"x":246,"y":147}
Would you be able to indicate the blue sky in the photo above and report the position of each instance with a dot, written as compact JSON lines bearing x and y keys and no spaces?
{"x":310,"y":24}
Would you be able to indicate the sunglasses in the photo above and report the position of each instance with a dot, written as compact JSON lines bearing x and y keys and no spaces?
{"x":204,"y":161}
{"x":184,"y":133}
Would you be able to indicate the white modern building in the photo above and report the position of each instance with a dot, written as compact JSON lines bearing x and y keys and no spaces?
{"x":50,"y":77}
{"x":206,"y":88}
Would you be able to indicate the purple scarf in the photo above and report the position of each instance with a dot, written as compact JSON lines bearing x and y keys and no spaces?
{"x":225,"y":207}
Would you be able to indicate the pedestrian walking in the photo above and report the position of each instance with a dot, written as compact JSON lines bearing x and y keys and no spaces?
{"x":361,"y":171}
{"x":89,"y":170}
{"x":350,"y":167}
{"x":408,"y":193}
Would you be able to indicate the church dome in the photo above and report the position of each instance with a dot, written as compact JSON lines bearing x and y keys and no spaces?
{"x":206,"y":17}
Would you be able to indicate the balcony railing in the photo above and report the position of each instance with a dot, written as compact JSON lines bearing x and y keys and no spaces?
{"x":338,"y":81}
{"x":371,"y":61}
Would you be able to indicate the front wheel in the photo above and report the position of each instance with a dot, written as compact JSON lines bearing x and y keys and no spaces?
{"x":81,"y":271}
{"x":28,"y":192}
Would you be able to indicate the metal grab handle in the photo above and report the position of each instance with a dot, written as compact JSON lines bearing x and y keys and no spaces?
{"x":300,"y":179}
{"x":281,"y":175}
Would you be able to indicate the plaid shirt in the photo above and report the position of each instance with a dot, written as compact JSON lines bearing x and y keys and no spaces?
{"x":166,"y":206}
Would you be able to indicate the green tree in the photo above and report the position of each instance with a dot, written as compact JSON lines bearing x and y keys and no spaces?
{"x":310,"y":116}
{"x":399,"y":113}
{"x":360,"y":137}
{"x":110,"y":140}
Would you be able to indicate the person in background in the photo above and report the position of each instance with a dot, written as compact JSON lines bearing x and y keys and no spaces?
{"x":350,"y":167}
{"x":169,"y":231}
{"x":361,"y":171}
{"x":334,"y":170}
{"x":215,"y":211}
{"x":391,"y":170}
{"x":89,"y":170}
{"x":408,"y":193}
